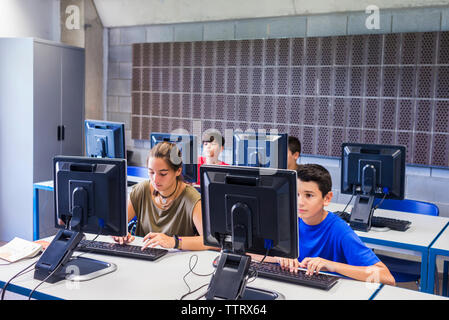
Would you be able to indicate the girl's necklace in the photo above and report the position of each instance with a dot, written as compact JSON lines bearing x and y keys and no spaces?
{"x":163,"y":200}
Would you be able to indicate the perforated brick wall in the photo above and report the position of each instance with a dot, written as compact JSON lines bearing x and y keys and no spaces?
{"x":386,"y":88}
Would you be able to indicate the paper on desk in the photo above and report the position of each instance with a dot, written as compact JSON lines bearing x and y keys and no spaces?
{"x":18,"y":249}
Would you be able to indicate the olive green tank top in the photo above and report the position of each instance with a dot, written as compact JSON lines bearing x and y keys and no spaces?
{"x":176,"y":220}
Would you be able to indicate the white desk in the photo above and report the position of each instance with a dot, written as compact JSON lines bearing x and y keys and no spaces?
{"x":396,"y":293}
{"x":439,"y":250}
{"x":416,"y":240}
{"x":163,"y":279}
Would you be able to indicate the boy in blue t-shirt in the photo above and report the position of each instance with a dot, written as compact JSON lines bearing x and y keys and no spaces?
{"x":326,"y":242}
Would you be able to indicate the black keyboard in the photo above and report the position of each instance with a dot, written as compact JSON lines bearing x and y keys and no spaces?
{"x":380,"y":222}
{"x":131,"y":183}
{"x":122,"y":250}
{"x":275,"y":272}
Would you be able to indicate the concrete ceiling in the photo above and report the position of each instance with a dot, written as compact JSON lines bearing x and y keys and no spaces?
{"x":120,"y":13}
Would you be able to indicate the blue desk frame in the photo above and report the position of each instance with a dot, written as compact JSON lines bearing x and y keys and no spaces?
{"x":131,"y":171}
{"x":423,"y":250}
{"x":433,"y":253}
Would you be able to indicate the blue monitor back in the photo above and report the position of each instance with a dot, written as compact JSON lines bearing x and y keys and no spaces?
{"x":188,"y":145}
{"x":105,"y":139}
{"x":260,"y":150}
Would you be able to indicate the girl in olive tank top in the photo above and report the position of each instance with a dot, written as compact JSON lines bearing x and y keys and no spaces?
{"x":168,"y":211}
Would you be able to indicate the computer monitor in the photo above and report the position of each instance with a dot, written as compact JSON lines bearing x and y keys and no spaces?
{"x":247,"y":210}
{"x":188,"y":145}
{"x":371,"y":171}
{"x":90,"y":196}
{"x":260,"y":149}
{"x":104,"y":139}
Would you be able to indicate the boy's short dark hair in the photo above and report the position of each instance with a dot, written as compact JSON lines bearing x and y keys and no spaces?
{"x":211,"y":135}
{"x":316,"y":173}
{"x":294,"y":145}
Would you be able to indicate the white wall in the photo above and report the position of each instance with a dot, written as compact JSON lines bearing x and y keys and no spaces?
{"x":120,"y":13}
{"x":30,"y":18}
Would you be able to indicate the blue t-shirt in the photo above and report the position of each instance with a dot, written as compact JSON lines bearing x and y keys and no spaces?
{"x":334,"y":240}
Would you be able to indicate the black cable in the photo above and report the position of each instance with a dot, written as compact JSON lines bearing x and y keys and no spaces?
{"x":87,"y":244}
{"x":380,"y":202}
{"x":46,"y":278}
{"x":23,"y":271}
{"x":352,"y":196}
{"x":197,"y":274}
{"x":60,"y":263}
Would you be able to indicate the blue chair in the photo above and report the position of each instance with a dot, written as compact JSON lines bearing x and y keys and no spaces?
{"x":405,"y":270}
{"x":132,"y":225}
{"x":137,"y":171}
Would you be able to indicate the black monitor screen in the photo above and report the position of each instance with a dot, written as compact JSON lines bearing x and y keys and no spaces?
{"x":104,"y":139}
{"x":252,"y":209}
{"x":373,"y":169}
{"x":260,"y":149}
{"x":188,"y":146}
{"x":90,"y":194}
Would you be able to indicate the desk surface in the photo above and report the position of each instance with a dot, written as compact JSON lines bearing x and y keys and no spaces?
{"x":442,"y":243}
{"x":163,"y":279}
{"x":396,"y":293}
{"x":422,"y":232}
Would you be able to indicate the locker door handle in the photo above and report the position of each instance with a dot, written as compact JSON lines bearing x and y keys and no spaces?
{"x":61,"y":133}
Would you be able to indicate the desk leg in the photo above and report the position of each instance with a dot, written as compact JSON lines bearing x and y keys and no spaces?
{"x":445,"y":278}
{"x":431,"y":274}
{"x":424,"y":271}
{"x":35,"y":213}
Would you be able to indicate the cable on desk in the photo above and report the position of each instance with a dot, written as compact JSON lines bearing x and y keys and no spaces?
{"x":352,"y":196}
{"x":23,"y":271}
{"x":87,"y":244}
{"x":197,"y":274}
{"x":380,"y":202}
{"x":46,"y":278}
{"x":253,"y":276}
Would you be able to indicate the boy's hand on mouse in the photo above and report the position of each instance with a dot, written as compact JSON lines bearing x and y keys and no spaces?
{"x":316,"y":265}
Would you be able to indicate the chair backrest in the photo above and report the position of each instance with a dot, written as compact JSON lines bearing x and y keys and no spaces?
{"x":407,"y":205}
{"x":137,"y":171}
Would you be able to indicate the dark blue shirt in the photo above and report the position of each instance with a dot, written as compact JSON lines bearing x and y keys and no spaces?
{"x":334,"y":240}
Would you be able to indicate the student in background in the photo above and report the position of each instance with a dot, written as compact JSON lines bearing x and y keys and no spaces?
{"x":213,"y":146}
{"x":293,"y":152}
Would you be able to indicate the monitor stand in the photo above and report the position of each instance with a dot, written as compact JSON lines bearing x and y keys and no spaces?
{"x":57,"y":263}
{"x":83,"y":269}
{"x":251,"y":293}
{"x":229,"y":281}
{"x":362,"y":212}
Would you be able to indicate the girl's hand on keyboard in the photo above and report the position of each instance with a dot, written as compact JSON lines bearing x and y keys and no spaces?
{"x":124,"y":240}
{"x":158,"y":239}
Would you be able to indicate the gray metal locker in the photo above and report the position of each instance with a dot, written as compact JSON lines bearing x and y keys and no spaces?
{"x":41,"y":115}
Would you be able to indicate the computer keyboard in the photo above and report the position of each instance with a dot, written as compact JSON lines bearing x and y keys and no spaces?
{"x":122,"y":250}
{"x":131,"y":183}
{"x":380,"y":222}
{"x":275,"y":272}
